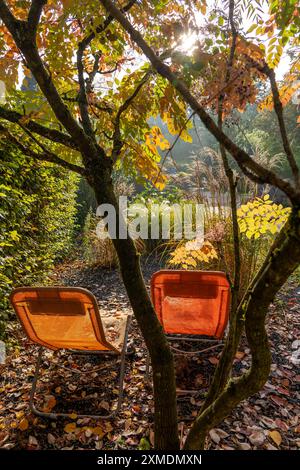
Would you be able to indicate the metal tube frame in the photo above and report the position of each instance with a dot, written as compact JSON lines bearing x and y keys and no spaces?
{"x":52,"y":415}
{"x":178,"y":351}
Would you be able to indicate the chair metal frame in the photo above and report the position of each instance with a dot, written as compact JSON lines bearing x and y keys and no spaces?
{"x":182,"y":352}
{"x":112,"y":351}
{"x":177,"y":351}
{"x":53,"y":415}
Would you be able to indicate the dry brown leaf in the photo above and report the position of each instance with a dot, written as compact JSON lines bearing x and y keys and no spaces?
{"x":213,"y":360}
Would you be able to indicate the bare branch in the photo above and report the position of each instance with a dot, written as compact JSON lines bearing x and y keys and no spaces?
{"x":83,"y":87}
{"x":45,"y":156}
{"x":242,"y":158}
{"x":117,"y":142}
{"x":171,"y":148}
{"x":228,"y":170}
{"x":92,"y":74}
{"x":279,"y":113}
{"x":98,"y":106}
{"x":265,"y":69}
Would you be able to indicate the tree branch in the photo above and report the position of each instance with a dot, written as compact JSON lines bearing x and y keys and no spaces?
{"x":50,"y":134}
{"x":27,"y":45}
{"x":283,"y":132}
{"x":105,"y":109}
{"x":7,"y":17}
{"x":46,"y":156}
{"x":83,"y":89}
{"x":241,"y":157}
{"x":87,"y":40}
{"x":34,"y":15}
{"x":228,"y":170}
{"x":117,"y":142}
{"x":82,"y":97}
{"x":222,"y":372}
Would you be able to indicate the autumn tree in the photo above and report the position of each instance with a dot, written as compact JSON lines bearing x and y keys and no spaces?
{"x":92,"y":115}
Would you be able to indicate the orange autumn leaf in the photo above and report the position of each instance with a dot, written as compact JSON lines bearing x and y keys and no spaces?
{"x":50,"y":403}
{"x":70,"y":427}
{"x":23,"y":424}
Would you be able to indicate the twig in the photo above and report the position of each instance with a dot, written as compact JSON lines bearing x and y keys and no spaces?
{"x":117,"y":142}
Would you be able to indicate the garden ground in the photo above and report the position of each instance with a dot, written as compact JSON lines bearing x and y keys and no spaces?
{"x":268,"y":420}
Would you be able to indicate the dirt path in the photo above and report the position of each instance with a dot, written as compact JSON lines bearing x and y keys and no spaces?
{"x":268,"y":420}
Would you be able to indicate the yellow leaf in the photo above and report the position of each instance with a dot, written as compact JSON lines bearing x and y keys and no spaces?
{"x":71,"y":427}
{"x":276,"y":437}
{"x":23,"y":424}
{"x":98,"y":431}
{"x":73,"y":415}
{"x":186,"y":137}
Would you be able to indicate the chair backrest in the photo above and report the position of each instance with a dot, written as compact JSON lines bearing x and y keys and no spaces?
{"x":191,"y":302}
{"x":60,"y":317}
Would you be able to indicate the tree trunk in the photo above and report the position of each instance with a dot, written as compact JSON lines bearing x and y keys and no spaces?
{"x":165,"y":418}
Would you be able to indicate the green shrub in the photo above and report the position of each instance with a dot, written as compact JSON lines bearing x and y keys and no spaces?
{"x":37,"y":212}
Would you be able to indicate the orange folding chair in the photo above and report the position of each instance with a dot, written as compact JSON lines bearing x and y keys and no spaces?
{"x":68,"y":318}
{"x":193,"y":303}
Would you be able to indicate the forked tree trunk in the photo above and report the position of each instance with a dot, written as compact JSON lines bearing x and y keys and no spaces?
{"x":165,"y":418}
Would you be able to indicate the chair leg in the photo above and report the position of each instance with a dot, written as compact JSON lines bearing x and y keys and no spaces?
{"x":32,"y":407}
{"x":181,"y":351}
{"x":122,"y":367}
{"x":178,"y":351}
{"x":147,"y":366}
{"x":68,"y":415}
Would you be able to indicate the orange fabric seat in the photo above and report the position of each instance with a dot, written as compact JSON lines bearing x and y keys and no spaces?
{"x":191,"y":302}
{"x":67,"y":318}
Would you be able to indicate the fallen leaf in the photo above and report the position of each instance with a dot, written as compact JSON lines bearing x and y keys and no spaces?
{"x":213,"y":360}
{"x":276,"y":437}
{"x":50,"y":438}
{"x":214,"y":436}
{"x":70,"y":427}
{"x":279,"y":401}
{"x":23,"y":424}
{"x":99,"y":431}
{"x":244,"y":446}
{"x":257,"y":438}
{"x":32,"y":441}
{"x":50,"y":404}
